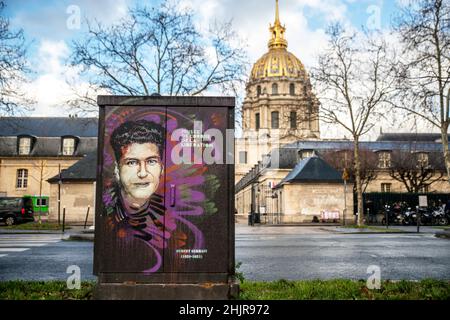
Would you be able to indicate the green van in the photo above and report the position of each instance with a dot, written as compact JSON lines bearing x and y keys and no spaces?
{"x":40,"y":204}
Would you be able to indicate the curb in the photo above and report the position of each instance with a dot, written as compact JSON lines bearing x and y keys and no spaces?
{"x":79,"y":237}
{"x":442,"y":234}
{"x":371,"y":232}
{"x":32,"y":232}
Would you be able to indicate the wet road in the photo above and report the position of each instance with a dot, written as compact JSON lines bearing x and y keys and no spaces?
{"x":330,"y":256}
{"x":266,"y":253}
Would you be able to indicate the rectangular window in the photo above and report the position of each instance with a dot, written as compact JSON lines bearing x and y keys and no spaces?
{"x":293,"y":119}
{"x":424,"y":189}
{"x":22,"y":179}
{"x":275,"y":120}
{"x":386,"y":187}
{"x":41,"y":202}
{"x":24,"y":146}
{"x":68,"y":146}
{"x":257,"y":121}
{"x":384,"y":160}
{"x":243,"y":157}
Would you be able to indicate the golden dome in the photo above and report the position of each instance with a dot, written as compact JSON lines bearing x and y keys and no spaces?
{"x":278,"y":62}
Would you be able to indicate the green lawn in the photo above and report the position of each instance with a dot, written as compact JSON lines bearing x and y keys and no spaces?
{"x":36,"y":226}
{"x":277,"y":290}
{"x":44,"y":290}
{"x":345,"y":290}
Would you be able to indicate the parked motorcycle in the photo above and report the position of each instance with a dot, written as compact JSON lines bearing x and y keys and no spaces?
{"x":439,"y":216}
{"x":394,"y":216}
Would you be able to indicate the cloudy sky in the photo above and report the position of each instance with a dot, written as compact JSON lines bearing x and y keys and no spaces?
{"x":49,"y":27}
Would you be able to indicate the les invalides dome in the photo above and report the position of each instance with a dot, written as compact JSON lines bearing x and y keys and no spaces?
{"x":279,"y":94}
{"x":279,"y":107}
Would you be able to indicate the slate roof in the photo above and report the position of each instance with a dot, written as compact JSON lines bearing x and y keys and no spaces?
{"x":47,"y":133}
{"x":313,"y":169}
{"x":425,"y":146}
{"x":286,"y":157}
{"x":48,"y":126}
{"x":429,"y":137}
{"x":46,"y":147}
{"x":83,"y":170}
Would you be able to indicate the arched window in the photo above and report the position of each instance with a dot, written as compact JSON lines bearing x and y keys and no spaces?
{"x":293,"y":119}
{"x":292,"y":89}
{"x":257,"y":121}
{"x":275,"y":120}
{"x":274,"y":88}
{"x":258,"y":91}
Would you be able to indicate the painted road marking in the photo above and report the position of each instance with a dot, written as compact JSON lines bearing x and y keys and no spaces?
{"x":3,"y":255}
{"x":13,"y":249}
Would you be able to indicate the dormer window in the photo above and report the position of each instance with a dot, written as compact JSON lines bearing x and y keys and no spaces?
{"x":384,"y":159}
{"x":68,"y":146}
{"x":306,"y":153}
{"x":422,"y":159}
{"x":24,"y":145}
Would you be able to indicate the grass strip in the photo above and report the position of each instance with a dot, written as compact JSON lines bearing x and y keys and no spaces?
{"x":428,"y":289}
{"x":36,"y":226}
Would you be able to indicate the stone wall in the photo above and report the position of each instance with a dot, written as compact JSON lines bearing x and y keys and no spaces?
{"x":301,"y":202}
{"x":441,"y":186}
{"x":8,"y":174}
{"x":76,"y":197}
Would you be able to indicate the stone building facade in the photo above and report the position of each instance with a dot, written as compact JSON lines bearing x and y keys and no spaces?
{"x":281,"y":129}
{"x":279,"y":106}
{"x":34,"y":150}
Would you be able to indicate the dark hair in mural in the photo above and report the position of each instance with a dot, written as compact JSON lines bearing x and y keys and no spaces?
{"x":141,"y":131}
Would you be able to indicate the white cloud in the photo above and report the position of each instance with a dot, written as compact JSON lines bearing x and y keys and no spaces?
{"x":50,"y":88}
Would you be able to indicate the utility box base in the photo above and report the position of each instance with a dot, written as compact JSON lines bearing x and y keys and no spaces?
{"x":158,"y":291}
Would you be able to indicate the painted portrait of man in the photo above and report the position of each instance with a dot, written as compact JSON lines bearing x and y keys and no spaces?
{"x":138,"y":151}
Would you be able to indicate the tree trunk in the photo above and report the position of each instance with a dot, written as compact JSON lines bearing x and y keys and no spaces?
{"x":444,"y":130}
{"x":359,"y":194}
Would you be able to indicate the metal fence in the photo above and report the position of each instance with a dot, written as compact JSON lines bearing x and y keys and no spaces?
{"x":374,"y":203}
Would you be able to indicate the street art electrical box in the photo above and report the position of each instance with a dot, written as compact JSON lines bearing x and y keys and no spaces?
{"x":164,"y":224}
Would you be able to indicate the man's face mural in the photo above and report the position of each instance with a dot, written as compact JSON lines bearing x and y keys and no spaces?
{"x":138,"y":148}
{"x":140,"y":170}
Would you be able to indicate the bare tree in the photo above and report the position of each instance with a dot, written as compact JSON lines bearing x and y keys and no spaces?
{"x":355,"y":82}
{"x":158,"y":50}
{"x":424,"y":30}
{"x":13,"y":68}
{"x":344,"y":159}
{"x":416,"y":172}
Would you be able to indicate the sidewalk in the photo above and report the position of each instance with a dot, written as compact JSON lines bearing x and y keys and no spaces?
{"x":74,"y":233}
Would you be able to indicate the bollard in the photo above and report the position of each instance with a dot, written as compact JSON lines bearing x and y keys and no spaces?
{"x":386,"y":213}
{"x":418,"y":216}
{"x":87,"y":215}
{"x":64,"y":220}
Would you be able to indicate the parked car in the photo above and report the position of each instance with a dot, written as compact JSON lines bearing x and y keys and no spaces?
{"x":15,"y":210}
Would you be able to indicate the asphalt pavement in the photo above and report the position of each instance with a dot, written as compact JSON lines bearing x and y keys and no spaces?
{"x":266,"y":253}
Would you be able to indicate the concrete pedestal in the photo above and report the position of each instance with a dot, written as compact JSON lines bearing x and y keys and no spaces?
{"x":158,"y":291}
